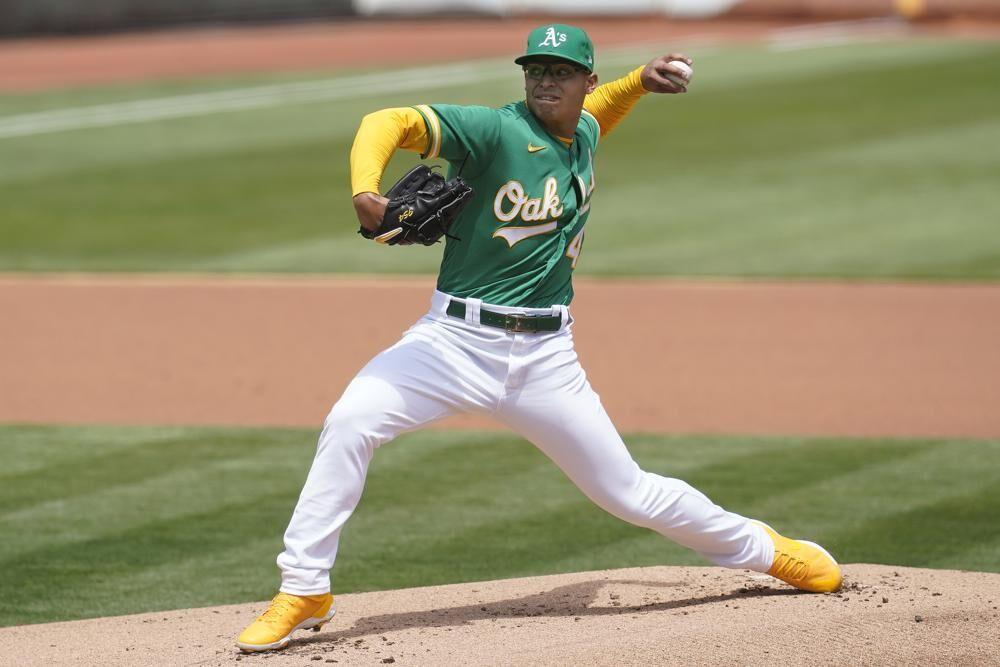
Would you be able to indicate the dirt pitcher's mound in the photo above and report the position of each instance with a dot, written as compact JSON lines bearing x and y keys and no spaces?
{"x":658,"y":615}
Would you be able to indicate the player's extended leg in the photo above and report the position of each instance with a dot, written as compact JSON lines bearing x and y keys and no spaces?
{"x":556,"y":409}
{"x":417,"y":381}
{"x":573,"y":430}
{"x":373,"y":410}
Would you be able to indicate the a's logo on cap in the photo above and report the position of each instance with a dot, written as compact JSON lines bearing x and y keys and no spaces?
{"x":553,"y":38}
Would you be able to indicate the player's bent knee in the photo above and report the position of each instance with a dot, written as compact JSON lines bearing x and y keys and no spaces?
{"x":361,"y":426}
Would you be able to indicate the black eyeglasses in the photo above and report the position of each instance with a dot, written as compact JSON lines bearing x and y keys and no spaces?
{"x":559,"y":71}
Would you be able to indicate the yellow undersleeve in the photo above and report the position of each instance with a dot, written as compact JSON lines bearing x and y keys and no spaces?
{"x":611,"y":102}
{"x":378,"y":137}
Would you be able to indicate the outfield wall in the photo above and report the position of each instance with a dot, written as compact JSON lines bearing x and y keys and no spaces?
{"x":679,"y":8}
{"x":931,"y":9}
{"x":689,"y":8}
{"x":23,"y":17}
{"x":27,"y":17}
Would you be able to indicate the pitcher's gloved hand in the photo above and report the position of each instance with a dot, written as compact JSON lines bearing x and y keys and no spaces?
{"x":421,"y":207}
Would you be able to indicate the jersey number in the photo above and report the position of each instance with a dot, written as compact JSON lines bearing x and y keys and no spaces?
{"x":575,"y":246}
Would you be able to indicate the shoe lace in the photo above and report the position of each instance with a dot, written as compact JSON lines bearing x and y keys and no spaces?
{"x":790,"y":567}
{"x":277,"y":609}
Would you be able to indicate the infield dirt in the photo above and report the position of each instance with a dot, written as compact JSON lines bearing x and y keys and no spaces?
{"x":641,"y":616}
{"x":666,"y":356}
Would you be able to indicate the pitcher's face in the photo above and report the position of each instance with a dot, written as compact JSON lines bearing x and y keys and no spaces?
{"x":555,"y":89}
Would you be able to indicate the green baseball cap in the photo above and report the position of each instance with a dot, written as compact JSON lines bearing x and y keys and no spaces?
{"x":561,"y":41}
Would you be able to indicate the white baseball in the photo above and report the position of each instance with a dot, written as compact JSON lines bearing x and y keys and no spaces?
{"x":685,"y":68}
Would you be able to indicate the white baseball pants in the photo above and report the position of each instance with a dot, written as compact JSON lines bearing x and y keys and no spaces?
{"x":533,"y":383}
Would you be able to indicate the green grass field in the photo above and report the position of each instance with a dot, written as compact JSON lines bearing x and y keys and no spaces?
{"x":857,"y":161}
{"x":100,"y":521}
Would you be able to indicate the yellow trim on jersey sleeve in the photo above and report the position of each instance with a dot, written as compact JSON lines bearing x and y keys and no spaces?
{"x":378,"y":137}
{"x":596,"y":122}
{"x":434,"y":124}
{"x":610,"y":103}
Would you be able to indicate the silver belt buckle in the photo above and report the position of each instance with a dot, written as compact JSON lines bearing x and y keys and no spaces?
{"x":512,"y":323}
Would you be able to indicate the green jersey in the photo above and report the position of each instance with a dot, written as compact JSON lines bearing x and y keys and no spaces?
{"x":522,"y":232}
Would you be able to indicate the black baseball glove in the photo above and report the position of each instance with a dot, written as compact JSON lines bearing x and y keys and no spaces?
{"x":422,"y":205}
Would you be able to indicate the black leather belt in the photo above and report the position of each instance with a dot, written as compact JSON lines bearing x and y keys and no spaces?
{"x":511,"y":323}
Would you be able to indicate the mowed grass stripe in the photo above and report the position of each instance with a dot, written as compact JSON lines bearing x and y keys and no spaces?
{"x":93,"y":573}
{"x":873,"y":515}
{"x":247,"y":472}
{"x":977,"y":554}
{"x":812,"y":164}
{"x":103,"y":473}
{"x":213,"y":467}
{"x":450,"y":506}
{"x":932,"y":539}
{"x":27,"y":449}
{"x":750,"y":484}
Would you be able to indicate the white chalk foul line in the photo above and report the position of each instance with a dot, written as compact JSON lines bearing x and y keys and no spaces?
{"x":837,"y":33}
{"x":257,"y":97}
{"x":274,"y":95}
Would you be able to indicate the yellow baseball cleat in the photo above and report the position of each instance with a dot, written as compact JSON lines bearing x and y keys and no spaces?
{"x":286,"y":614}
{"x":805,"y":565}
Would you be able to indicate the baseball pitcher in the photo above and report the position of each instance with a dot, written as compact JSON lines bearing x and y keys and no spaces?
{"x":497,"y":339}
